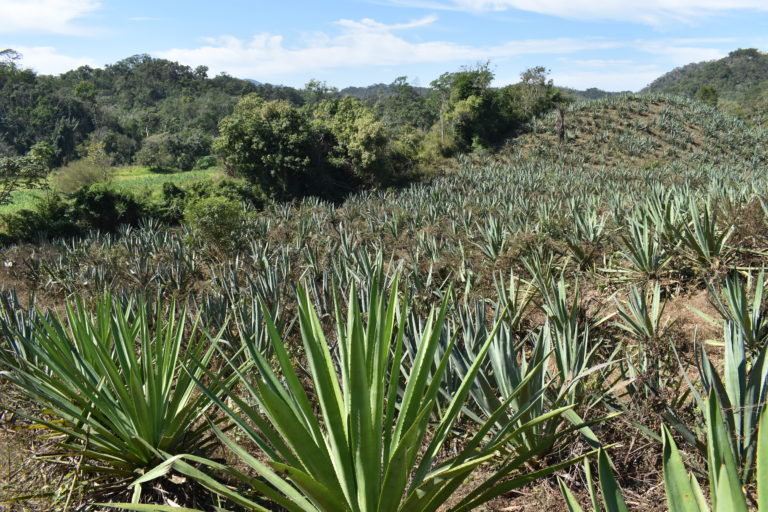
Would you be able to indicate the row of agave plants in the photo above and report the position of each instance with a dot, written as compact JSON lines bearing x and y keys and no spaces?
{"x":461,"y":229}
{"x":362,"y":399}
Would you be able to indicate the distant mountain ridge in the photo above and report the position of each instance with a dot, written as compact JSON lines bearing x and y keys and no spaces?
{"x":731,"y":76}
{"x":740,"y":81}
{"x":593,"y":93}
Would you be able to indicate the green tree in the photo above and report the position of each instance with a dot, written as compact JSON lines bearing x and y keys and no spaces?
{"x":8,"y":58}
{"x":537,"y":93}
{"x":360,"y":143}
{"x":316,"y":91}
{"x":218,"y":221}
{"x":708,"y":95}
{"x":405,"y":107}
{"x":271,"y":144}
{"x":85,"y":91}
{"x":94,"y":167}
{"x":155,"y":152}
{"x":24,"y":171}
{"x":451,"y":88}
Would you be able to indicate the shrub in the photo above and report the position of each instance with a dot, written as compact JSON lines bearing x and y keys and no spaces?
{"x":24,"y":171}
{"x":95,"y":167}
{"x":104,"y":208}
{"x":217,"y":220}
{"x":170,"y":208}
{"x":206,"y":162}
{"x":52,"y":217}
{"x":76,"y":175}
{"x":186,"y":148}
{"x":155,"y":153}
{"x":235,"y":190}
{"x":360,"y":146}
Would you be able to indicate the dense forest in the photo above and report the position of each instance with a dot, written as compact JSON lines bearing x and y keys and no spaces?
{"x":137,"y":103}
{"x":157,"y":112}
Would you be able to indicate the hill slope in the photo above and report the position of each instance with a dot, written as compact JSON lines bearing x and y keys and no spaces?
{"x":647,"y":131}
{"x":740,"y":80}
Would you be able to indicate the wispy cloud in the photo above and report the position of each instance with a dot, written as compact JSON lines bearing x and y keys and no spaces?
{"x":45,"y":16}
{"x":617,"y":79}
{"x":359,"y":43}
{"x":632,"y":74}
{"x":653,"y":12}
{"x":48,"y":60}
{"x":681,"y":51}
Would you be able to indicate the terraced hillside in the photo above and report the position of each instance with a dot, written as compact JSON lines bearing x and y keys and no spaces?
{"x":647,"y":131}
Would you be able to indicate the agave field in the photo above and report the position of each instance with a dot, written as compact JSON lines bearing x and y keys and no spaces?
{"x":579,"y":326}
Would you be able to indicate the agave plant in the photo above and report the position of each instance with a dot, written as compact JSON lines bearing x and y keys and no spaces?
{"x":574,"y":348}
{"x":587,"y":233}
{"x":360,"y":446}
{"x":493,"y":238}
{"x":727,"y":490}
{"x":644,"y":381}
{"x":707,"y":243}
{"x":640,"y":316}
{"x":644,"y":249}
{"x":113,"y":384}
{"x":742,"y":305}
{"x":665,"y":210}
{"x":684,"y":494}
{"x":742,"y":392}
{"x":612,"y":497}
{"x":520,"y":375}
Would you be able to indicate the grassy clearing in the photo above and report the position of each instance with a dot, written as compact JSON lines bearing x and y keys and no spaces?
{"x":142,"y":179}
{"x":136,"y":179}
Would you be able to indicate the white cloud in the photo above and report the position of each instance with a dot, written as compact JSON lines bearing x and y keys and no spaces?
{"x":620,"y":79}
{"x":47,"y":16}
{"x":359,"y":44}
{"x":599,"y":63}
{"x":679,"y":53}
{"x":652,"y":12}
{"x":367,"y":24}
{"x":47,"y":60}
{"x":634,"y":74}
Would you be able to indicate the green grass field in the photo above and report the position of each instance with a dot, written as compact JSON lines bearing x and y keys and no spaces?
{"x":136,"y":179}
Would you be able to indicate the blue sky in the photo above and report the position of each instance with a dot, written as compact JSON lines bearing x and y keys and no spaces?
{"x":610,"y":44}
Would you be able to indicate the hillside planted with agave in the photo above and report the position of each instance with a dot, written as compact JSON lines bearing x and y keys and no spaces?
{"x":553,"y":325}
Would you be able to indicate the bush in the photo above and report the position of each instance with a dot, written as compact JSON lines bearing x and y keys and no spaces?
{"x":154,"y":152}
{"x":361,"y":145}
{"x":235,"y":190}
{"x":187,"y":148}
{"x":170,"y":208}
{"x":206,"y":162}
{"x":76,"y":175}
{"x":24,"y":171}
{"x":217,"y":220}
{"x":104,"y":208}
{"x":52,"y":217}
{"x":95,"y":167}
